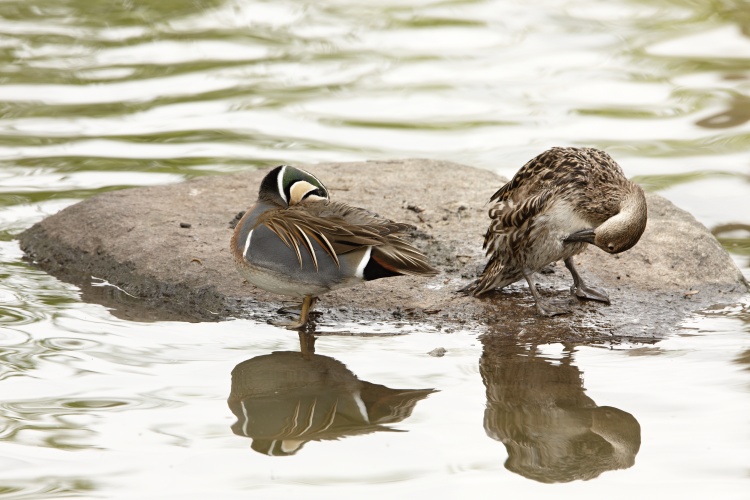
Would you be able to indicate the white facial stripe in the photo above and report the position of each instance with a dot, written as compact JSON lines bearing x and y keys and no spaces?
{"x":280,"y":181}
{"x":247,"y":244}
{"x":360,"y":273}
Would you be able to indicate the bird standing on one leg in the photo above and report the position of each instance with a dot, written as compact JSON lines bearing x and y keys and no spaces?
{"x":294,"y":241}
{"x":556,"y":204}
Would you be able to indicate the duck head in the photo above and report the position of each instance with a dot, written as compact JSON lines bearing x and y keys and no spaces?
{"x":287,"y":186}
{"x":621,"y":231}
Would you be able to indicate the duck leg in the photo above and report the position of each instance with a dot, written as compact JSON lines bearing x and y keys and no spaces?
{"x":580,"y":289}
{"x":307,"y":305}
{"x":545,"y":307}
{"x":307,"y":344}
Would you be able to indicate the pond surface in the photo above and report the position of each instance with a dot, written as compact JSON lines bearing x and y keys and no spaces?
{"x":98,"y":95}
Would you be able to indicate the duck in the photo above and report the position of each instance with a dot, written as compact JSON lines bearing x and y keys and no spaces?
{"x":556,"y":205}
{"x":296,"y":242}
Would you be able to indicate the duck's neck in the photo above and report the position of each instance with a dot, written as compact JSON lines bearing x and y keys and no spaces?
{"x":630,"y":222}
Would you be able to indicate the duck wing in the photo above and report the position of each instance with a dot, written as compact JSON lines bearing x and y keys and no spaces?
{"x":511,"y":231}
{"x":393,"y":254}
{"x":514,"y":219}
{"x":572,"y":168}
{"x":537,"y":173}
{"x":340,"y":229}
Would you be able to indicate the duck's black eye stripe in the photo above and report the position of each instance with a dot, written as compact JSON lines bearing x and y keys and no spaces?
{"x":317,"y":192}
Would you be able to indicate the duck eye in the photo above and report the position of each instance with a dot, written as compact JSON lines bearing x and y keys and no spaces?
{"x":611,"y":246}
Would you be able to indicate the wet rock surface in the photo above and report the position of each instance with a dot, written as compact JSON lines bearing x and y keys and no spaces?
{"x":165,"y":251}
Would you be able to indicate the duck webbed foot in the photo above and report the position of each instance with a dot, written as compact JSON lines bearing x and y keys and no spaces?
{"x":303,"y":320}
{"x":589,"y":293}
{"x":546,"y":307}
{"x":581,"y":289}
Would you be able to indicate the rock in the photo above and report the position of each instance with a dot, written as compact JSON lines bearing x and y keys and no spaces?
{"x":133,"y":239}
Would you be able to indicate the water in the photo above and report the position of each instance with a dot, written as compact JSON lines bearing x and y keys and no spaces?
{"x":98,"y":95}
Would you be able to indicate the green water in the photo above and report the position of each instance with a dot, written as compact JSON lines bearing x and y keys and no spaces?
{"x":103,"y":95}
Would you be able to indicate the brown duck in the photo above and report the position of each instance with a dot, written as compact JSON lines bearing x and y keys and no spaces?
{"x":557,"y":203}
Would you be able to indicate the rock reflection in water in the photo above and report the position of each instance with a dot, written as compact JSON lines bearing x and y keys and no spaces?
{"x":284,"y":399}
{"x":552,"y":431}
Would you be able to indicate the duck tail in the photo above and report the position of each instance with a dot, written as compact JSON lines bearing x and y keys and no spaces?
{"x":397,"y":258}
{"x":494,"y":276}
{"x":469,"y":289}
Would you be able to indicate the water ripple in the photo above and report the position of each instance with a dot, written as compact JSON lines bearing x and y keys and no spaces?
{"x":20,"y":315}
{"x":98,"y":95}
{"x":68,"y":344}
{"x":10,"y":337}
{"x":65,"y":422}
{"x":46,"y":487}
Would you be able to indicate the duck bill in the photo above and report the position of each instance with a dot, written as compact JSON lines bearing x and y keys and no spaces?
{"x":583,"y":236}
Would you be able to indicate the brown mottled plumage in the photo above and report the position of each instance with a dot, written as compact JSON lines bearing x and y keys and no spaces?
{"x":296,"y":242}
{"x":556,"y":204}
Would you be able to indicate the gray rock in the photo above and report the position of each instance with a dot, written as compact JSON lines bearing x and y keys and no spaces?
{"x":168,"y":248}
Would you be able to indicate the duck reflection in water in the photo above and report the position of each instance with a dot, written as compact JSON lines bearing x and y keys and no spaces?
{"x":551,"y":430}
{"x":284,"y":399}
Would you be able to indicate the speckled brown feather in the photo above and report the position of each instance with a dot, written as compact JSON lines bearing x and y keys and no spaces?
{"x":587,"y":180}
{"x":564,"y":170}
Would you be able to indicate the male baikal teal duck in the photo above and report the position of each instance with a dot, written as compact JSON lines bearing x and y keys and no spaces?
{"x":557,"y":203}
{"x":296,"y":242}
